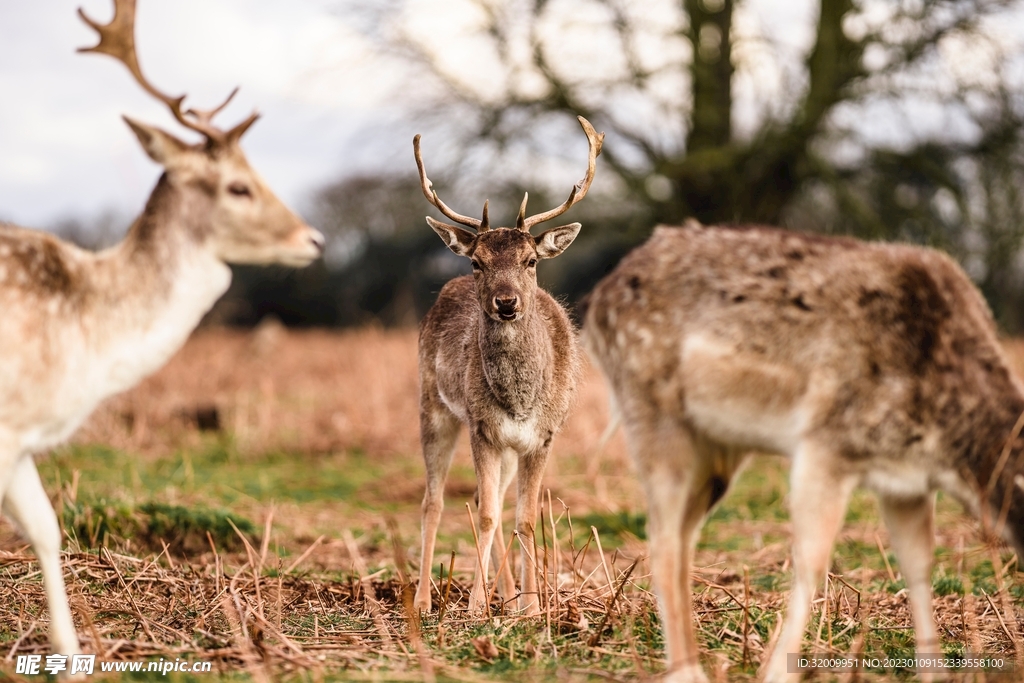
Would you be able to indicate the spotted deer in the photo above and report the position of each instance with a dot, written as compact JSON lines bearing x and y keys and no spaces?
{"x":77,"y":326}
{"x":499,"y":355}
{"x":866,"y":364}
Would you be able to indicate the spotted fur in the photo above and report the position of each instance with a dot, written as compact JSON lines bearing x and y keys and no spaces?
{"x":866,"y":363}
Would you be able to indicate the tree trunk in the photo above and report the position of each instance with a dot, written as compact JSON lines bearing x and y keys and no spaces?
{"x":711,"y":70}
{"x":720,"y":180}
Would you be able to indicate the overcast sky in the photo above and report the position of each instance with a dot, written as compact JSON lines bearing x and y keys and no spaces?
{"x":64,"y":150}
{"x":329,"y":106}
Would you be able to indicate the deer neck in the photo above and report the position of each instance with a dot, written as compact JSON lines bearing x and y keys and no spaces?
{"x":154,"y":287}
{"x":516,"y":361}
{"x":995,"y":464}
{"x":997,"y":485}
{"x":985,"y":440}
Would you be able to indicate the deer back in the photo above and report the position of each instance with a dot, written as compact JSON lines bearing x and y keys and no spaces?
{"x":760,"y":338}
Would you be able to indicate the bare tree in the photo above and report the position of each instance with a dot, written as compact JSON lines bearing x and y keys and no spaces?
{"x":660,"y":76}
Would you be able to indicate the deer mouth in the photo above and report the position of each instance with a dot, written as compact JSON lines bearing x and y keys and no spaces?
{"x":508,"y":316}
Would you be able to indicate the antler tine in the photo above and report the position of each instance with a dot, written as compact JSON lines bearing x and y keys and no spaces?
{"x":521,"y":218}
{"x":205,"y":116}
{"x":579,"y":190}
{"x":117,"y":39}
{"x":431,"y":194}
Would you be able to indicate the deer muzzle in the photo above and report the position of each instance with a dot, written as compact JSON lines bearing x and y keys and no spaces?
{"x":304,"y":245}
{"x":508,"y":306}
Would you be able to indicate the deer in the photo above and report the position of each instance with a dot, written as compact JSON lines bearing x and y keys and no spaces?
{"x":79,"y":326}
{"x":499,"y":355}
{"x":865,"y":364}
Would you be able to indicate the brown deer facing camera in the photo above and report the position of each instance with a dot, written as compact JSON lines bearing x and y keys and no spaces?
{"x":866,"y":364}
{"x":77,"y":327}
{"x":498,"y":354}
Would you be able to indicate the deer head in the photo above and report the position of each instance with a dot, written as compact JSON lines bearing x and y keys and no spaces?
{"x":505,"y":259}
{"x":240,"y":217}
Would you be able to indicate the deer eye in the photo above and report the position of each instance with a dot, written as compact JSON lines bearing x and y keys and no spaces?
{"x":239,"y":189}
{"x":476,"y":264}
{"x":531,"y":263}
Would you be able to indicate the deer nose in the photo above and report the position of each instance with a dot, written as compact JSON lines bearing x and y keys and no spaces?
{"x":507,"y":303}
{"x":317,"y":238}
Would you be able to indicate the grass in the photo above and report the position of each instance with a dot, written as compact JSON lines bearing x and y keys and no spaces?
{"x":104,"y":523}
{"x":316,"y":467}
{"x":215,"y":470}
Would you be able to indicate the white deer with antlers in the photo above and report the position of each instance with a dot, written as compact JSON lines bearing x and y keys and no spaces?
{"x":79,"y":326}
{"x":499,"y":355}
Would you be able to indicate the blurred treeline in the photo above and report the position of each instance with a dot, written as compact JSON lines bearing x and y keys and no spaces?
{"x":883,"y":119}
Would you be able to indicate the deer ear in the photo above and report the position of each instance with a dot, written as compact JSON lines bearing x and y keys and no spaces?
{"x":160,"y":146}
{"x":553,"y":242}
{"x":458,"y":240}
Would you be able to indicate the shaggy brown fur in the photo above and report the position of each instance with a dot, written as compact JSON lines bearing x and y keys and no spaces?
{"x":499,"y":355}
{"x":872,"y":364}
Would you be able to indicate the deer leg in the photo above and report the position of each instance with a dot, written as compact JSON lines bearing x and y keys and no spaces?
{"x":911,"y":531}
{"x":487,"y":464}
{"x":531,"y":475}
{"x":819,"y":493}
{"x":677,"y":481}
{"x":439,"y":430}
{"x":26,"y":503}
{"x":506,"y":582}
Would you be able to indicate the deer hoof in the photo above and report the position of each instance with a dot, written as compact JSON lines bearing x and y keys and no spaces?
{"x":528,"y":606}
{"x":421,"y":603}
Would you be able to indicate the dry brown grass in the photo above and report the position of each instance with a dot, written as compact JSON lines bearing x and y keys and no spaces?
{"x":322,"y":397}
{"x":309,"y":391}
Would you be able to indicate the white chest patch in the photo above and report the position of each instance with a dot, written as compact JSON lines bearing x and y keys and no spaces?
{"x":141,"y":351}
{"x":109,"y":352}
{"x":518,"y":434}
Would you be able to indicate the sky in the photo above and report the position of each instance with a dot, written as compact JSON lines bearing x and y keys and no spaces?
{"x":331,"y":105}
{"x":65,"y":151}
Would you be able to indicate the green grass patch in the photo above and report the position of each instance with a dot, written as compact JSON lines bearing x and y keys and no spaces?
{"x":217,"y":472}
{"x":947,"y":585}
{"x":179,"y":498}
{"x":101,"y":523}
{"x":769,"y":581}
{"x":983,"y":578}
{"x":611,"y":524}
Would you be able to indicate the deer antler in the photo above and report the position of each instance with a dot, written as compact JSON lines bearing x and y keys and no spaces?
{"x":431,"y":195}
{"x":117,"y":39}
{"x":579,"y":190}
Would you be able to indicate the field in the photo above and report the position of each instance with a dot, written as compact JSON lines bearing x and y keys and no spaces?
{"x":255,"y":504}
